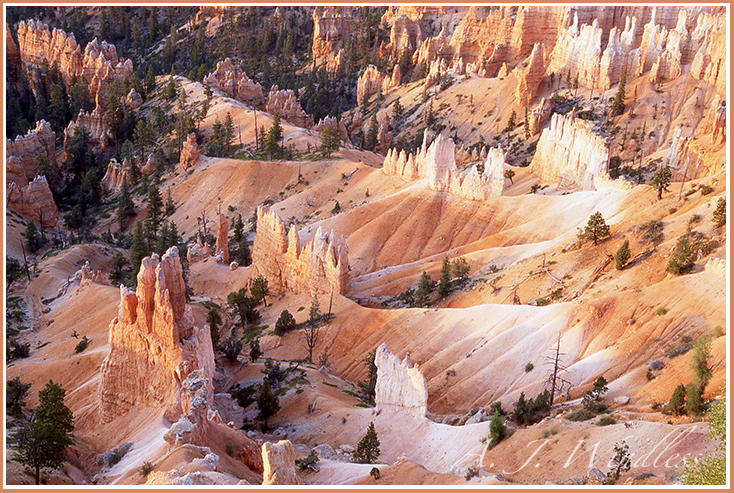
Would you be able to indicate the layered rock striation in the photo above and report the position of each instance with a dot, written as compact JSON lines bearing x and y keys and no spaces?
{"x":570,"y":154}
{"x":34,"y":201}
{"x":400,"y":385}
{"x":234,"y":82}
{"x":437,"y":164}
{"x":22,"y":153}
{"x":284,"y":103}
{"x":319,"y":266}
{"x":155,"y":346}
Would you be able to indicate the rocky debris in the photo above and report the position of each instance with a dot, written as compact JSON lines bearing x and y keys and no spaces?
{"x":319,"y":266}
{"x":530,"y":77}
{"x":133,"y":100}
{"x":112,"y":457}
{"x":570,"y":154}
{"x":400,"y":386}
{"x":21,"y":153}
{"x":284,"y":103}
{"x":234,"y":82}
{"x":621,"y":400}
{"x":89,"y":275}
{"x":717,"y":266}
{"x":155,"y":346}
{"x":596,"y":476}
{"x":437,"y":163}
{"x":233,"y":265}
{"x":199,"y":250}
{"x":193,"y":425}
{"x":116,"y":174}
{"x":189,"y":153}
{"x":222,"y":248}
{"x":279,"y":463}
{"x":719,"y":134}
{"x":656,"y":365}
{"x":34,"y":201}
{"x":150,"y":164}
{"x":324,"y":451}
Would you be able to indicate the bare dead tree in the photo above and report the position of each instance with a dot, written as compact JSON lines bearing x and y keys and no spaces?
{"x":311,"y":338}
{"x":556,"y":382}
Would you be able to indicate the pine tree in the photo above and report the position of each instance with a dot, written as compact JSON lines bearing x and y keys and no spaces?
{"x":125,"y":205}
{"x":694,"y":399}
{"x":702,"y":371}
{"x":138,"y":249}
{"x":51,"y":407}
{"x":444,"y":283}
{"x":367,"y":388}
{"x":372,"y":134}
{"x":267,"y":402}
{"x":677,"y":404}
{"x":155,"y":208}
{"x":623,"y":255}
{"x":596,"y":229}
{"x":618,"y":104}
{"x":368,"y":449}
{"x":425,"y":287}
{"x":274,"y":136}
{"x":329,"y":141}
{"x":259,"y":289}
{"x":509,"y":174}
{"x":497,"y":430}
{"x":214,"y":319}
{"x":720,"y":213}
{"x":285,"y":323}
{"x":149,"y":80}
{"x":682,"y":259}
{"x":661,"y":180}
{"x":32,"y":239}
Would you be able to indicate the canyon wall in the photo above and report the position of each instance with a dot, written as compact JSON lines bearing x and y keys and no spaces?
{"x":437,"y":163}
{"x":21,"y":153}
{"x":400,"y":386}
{"x":33,"y":201}
{"x":284,"y":103}
{"x":155,"y":346}
{"x":234,"y":83}
{"x":320,"y":266}
{"x":570,"y":154}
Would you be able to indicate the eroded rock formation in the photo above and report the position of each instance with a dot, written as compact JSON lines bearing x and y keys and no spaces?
{"x":155,"y":347}
{"x":331,"y":121}
{"x":199,"y":250}
{"x":320,"y":266}
{"x":21,"y":154}
{"x":690,"y":157}
{"x":372,"y":82}
{"x":13,"y":55}
{"x":222,"y":248}
{"x":400,"y":385}
{"x":540,"y":115}
{"x":116,"y":174}
{"x":530,"y":77}
{"x":34,"y":201}
{"x":89,"y":275}
{"x":570,"y":154}
{"x":331,"y":24}
{"x":133,"y":100}
{"x":189,"y":153}
{"x":279,"y":463}
{"x":234,"y":83}
{"x":288,"y":107}
{"x":95,"y":123}
{"x":437,"y":163}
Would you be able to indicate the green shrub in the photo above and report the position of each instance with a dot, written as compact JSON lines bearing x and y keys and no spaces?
{"x":677,"y":403}
{"x":580,"y":415}
{"x":694,"y":400}
{"x":605,"y":421}
{"x":661,"y":310}
{"x":82,"y":345}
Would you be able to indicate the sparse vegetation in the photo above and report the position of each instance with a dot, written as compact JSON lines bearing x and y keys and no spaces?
{"x":596,"y":229}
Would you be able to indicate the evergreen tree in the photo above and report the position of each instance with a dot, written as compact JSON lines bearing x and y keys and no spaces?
{"x":214,"y":319}
{"x":425,"y":287}
{"x":509,"y":174}
{"x":397,"y":109}
{"x":118,"y":263}
{"x":171,"y":88}
{"x":125,"y":205}
{"x":618,"y":104}
{"x":497,"y":430}
{"x":32,"y":238}
{"x":694,"y":399}
{"x":661,"y":180}
{"x":596,"y":229}
{"x":623,"y":255}
{"x":367,"y":388}
{"x":138,"y":249}
{"x":460,"y":268}
{"x":51,"y":407}
{"x":682,"y":259}
{"x":14,"y":396}
{"x":272,"y":141}
{"x":80,"y":98}
{"x":702,"y":371}
{"x":720,"y":213}
{"x":372,"y":134}
{"x":677,"y":404}
{"x":267,"y":402}
{"x":444,"y":283}
{"x":368,"y":448}
{"x":155,"y":208}
{"x":259,"y":289}
{"x":285,"y":323}
{"x":40,"y":445}
{"x":149,"y":80}
{"x":329,"y":141}
{"x":255,"y":351}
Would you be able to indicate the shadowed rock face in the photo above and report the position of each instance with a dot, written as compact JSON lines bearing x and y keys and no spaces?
{"x":34,"y":201}
{"x":155,"y":346}
{"x":400,"y":385}
{"x":320,"y":266}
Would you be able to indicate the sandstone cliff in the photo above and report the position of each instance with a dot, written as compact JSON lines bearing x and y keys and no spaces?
{"x":155,"y":346}
{"x":400,"y":386}
{"x":288,"y":107}
{"x":34,"y":201}
{"x":570,"y":154}
{"x":234,"y":83}
{"x":189,"y":153}
{"x":320,"y":266}
{"x":21,"y":153}
{"x":437,"y":163}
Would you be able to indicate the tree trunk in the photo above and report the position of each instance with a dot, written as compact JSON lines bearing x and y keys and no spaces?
{"x":38,"y":475}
